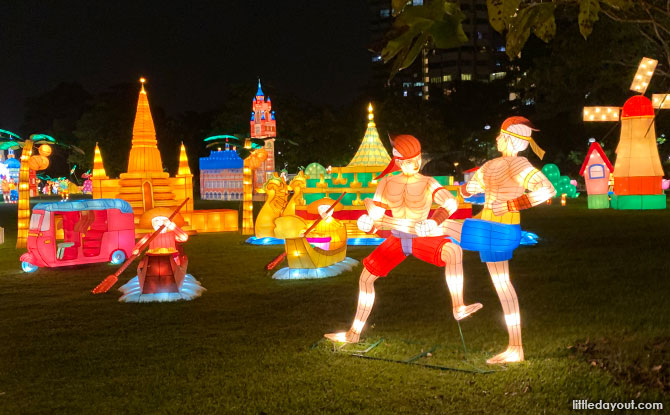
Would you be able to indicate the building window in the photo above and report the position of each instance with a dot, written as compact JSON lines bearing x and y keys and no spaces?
{"x":497,"y":75}
{"x":417,"y":2}
{"x":384,"y":13}
{"x":597,"y":171}
{"x":501,"y":49}
{"x":377,"y":58}
{"x":404,"y":93}
{"x":418,"y":83}
{"x":466,"y":77}
{"x":446,"y":78}
{"x":436,"y":80}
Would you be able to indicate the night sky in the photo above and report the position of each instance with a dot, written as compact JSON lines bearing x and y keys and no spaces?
{"x":189,"y":52}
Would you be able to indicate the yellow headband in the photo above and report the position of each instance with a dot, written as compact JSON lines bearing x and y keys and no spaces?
{"x":533,"y":145}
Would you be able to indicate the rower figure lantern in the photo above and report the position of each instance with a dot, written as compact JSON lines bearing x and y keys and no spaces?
{"x":409,"y":196}
{"x":161,"y":273}
{"x":504,"y":181}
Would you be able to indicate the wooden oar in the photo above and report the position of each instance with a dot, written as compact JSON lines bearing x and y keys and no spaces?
{"x":109,"y":282}
{"x":316,"y":222}
{"x":279,"y":258}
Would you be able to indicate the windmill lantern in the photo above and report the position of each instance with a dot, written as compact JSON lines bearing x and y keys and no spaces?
{"x":637,"y":170}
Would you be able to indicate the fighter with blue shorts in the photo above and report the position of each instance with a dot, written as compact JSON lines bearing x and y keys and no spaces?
{"x":510,"y":184}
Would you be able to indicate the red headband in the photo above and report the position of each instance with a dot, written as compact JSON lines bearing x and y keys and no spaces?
{"x":404,"y":144}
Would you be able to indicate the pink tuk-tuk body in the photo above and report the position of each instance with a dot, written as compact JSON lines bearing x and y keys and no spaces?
{"x":79,"y":232}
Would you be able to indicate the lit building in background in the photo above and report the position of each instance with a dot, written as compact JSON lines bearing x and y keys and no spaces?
{"x":145,"y":185}
{"x":264,"y":125}
{"x":482,"y":59}
{"x":221,"y":175}
{"x":221,"y":172}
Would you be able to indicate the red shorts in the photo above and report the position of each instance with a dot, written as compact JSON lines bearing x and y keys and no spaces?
{"x":389,"y":254}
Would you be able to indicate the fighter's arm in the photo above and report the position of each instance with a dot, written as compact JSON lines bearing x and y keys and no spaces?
{"x":475,"y":184}
{"x":442,"y":197}
{"x":376,"y":208}
{"x":539,"y":187}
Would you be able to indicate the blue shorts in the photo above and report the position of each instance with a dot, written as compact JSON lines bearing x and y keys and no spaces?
{"x":495,"y":242}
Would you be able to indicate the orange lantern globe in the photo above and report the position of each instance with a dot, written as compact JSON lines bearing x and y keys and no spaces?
{"x":45,"y":150}
{"x":38,"y":163}
{"x":257,"y":157}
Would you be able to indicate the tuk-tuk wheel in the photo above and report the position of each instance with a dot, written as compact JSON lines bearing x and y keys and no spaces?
{"x":118,"y":257}
{"x":28,"y":267}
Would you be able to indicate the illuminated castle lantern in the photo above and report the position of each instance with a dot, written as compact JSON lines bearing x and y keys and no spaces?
{"x":221,"y":173}
{"x":12,"y":167}
{"x":264,"y":125}
{"x":146,"y":186}
{"x":358,"y":180}
{"x":637,"y":170}
{"x":596,"y":172}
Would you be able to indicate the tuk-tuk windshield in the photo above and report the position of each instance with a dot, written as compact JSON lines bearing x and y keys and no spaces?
{"x":35,"y":221}
{"x":46,"y":222}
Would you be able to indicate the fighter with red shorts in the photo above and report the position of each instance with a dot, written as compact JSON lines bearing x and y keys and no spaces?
{"x":409,"y":196}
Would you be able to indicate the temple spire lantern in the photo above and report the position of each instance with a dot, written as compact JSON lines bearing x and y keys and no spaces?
{"x":144,"y":154}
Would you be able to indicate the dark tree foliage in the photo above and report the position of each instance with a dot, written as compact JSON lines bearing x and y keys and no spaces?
{"x":109,"y":122}
{"x":55,"y":112}
{"x":570,"y":73}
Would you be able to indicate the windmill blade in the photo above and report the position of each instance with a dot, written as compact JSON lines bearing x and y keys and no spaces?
{"x":643,"y":75}
{"x":601,"y":113}
{"x":661,"y":101}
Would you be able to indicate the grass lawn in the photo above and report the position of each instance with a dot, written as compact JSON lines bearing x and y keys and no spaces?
{"x":594,"y":307}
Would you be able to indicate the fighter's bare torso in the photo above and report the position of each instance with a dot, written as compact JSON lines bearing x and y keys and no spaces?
{"x":503,"y":178}
{"x":408,"y":197}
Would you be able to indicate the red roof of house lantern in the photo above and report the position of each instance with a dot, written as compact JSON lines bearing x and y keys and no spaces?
{"x":637,"y":106}
{"x":595,"y":147}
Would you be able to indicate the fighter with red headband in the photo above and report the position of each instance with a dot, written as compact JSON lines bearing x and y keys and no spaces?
{"x":510,"y":184}
{"x":409,"y":196}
